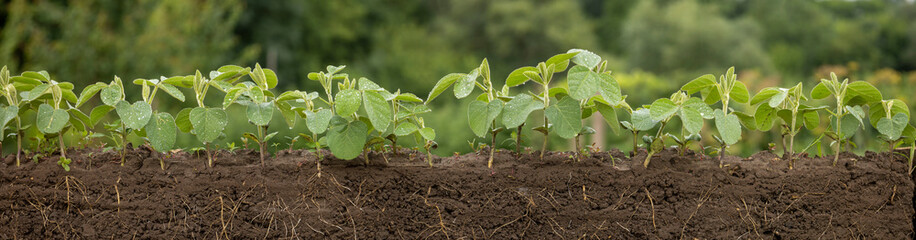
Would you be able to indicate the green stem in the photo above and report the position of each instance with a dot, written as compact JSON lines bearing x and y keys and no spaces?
{"x":518,"y":141}
{"x":63,"y":150}
{"x":546,"y":130}
{"x":123,"y":142}
{"x":18,"y":140}
{"x":492,"y":150}
{"x":635,"y":144}
{"x":261,"y":144}
{"x":209,"y":157}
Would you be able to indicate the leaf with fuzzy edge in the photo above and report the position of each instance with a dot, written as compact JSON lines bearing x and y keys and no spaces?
{"x":50,"y":120}
{"x":892,"y":128}
{"x":208,"y":123}
{"x":161,"y":131}
{"x":729,"y":127}
{"x":346,"y":140}
{"x":518,"y":109}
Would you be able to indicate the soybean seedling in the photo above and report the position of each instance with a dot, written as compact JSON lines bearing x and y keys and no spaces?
{"x":161,"y":129}
{"x":785,"y":104}
{"x":484,"y":110}
{"x":206,"y":123}
{"x":848,"y":115}
{"x":640,"y":120}
{"x":52,"y":118}
{"x":542,"y":74}
{"x":347,"y":134}
{"x":724,"y":90}
{"x":10,"y":92}
{"x":691,"y":112}
{"x":891,"y":118}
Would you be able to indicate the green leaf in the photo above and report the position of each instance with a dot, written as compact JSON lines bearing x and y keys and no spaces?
{"x":36,"y":92}
{"x":561,"y":61}
{"x":208,"y":123}
{"x":428,"y":133}
{"x":377,"y":109}
{"x":408,"y":97}
{"x":465,"y":84}
{"x":583,"y":83}
{"x":347,"y":102}
{"x":481,"y":115}
{"x":849,"y":127}
{"x":609,"y":88}
{"x":346,"y":141}
{"x":517,"y":110}
{"x":517,"y":76}
{"x":289,"y":115}
{"x":710,"y":95}
{"x":857,"y":112}
{"x":765,"y":117}
{"x":161,"y":132}
{"x":747,"y":121}
{"x":662,"y":109}
{"x":585,"y":58}
{"x":692,"y":119}
{"x":811,"y":119}
{"x":111,"y":95}
{"x":50,"y":120}
{"x":892,"y":128}
{"x":820,"y":91}
{"x":642,"y":120}
{"x":405,"y":129}
{"x":260,"y":113}
{"x":876,"y":110}
{"x":565,"y":116}
{"x":861,"y":92}
{"x":7,"y":114}
{"x":172,"y":91}
{"x":739,"y":93}
{"x":700,"y":106}
{"x":610,"y":116}
{"x":700,"y":83}
{"x":183,"y":120}
{"x":134,"y":116}
{"x":88,"y":92}
{"x":271,"y":78}
{"x":729,"y":127}
{"x":317,"y":122}
{"x":764,"y":95}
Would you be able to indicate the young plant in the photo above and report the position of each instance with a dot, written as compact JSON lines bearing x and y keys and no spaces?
{"x":9,"y":112}
{"x":542,"y":74}
{"x":484,"y":110}
{"x":161,"y":129}
{"x":53,"y":116}
{"x":784,"y":104}
{"x":640,"y":120}
{"x":724,"y":90}
{"x":683,"y":142}
{"x":260,"y":106}
{"x":403,"y":115}
{"x":891,"y":118}
{"x":346,"y":134}
{"x":206,"y":123}
{"x":691,"y":112}
{"x":849,"y":114}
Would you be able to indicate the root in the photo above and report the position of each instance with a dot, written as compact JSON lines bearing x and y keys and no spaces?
{"x":702,"y":200}
{"x":652,"y":204}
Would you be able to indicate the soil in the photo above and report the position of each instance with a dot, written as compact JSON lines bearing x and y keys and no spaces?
{"x":605,"y":195}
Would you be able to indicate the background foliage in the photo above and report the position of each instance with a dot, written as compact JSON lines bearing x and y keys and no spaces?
{"x":653,"y":46}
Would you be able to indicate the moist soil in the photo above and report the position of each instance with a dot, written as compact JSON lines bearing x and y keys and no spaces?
{"x":604,"y":195}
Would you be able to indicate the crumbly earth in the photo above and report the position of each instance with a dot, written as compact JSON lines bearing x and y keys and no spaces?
{"x":401,"y":197}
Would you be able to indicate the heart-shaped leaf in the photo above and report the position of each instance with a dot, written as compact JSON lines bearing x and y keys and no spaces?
{"x":317,"y":122}
{"x":405,"y":129}
{"x":642,"y":120}
{"x":482,"y":114}
{"x":428,"y":133}
{"x":111,"y":95}
{"x":565,"y":116}
{"x":729,"y":127}
{"x":161,"y":131}
{"x":517,"y":110}
{"x":765,"y":117}
{"x":88,"y":92}
{"x":610,"y":116}
{"x":208,"y":123}
{"x":583,"y":83}
{"x":662,"y":109}
{"x":892,"y":128}
{"x":585,"y":58}
{"x":134,"y":116}
{"x":346,"y":140}
{"x":98,"y":113}
{"x":260,"y":113}
{"x":692,"y":119}
{"x":50,"y":120}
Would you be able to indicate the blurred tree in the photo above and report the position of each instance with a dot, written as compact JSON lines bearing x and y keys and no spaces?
{"x":687,"y":35}
{"x":90,"y":41}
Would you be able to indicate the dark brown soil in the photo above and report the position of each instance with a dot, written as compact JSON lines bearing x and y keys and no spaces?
{"x":459,"y":198}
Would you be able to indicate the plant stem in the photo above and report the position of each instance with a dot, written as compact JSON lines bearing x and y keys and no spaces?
{"x":209,"y":157}
{"x":18,"y":140}
{"x":492,"y":150}
{"x":635,"y":144}
{"x":123,"y":142}
{"x":722,"y":155}
{"x":791,"y":150}
{"x":648,"y":158}
{"x":261,"y":144}
{"x":518,"y":141}
{"x":546,"y":136}
{"x":839,"y":114}
{"x":578,"y":156}
{"x":366,"y":156}
{"x":63,"y":150}
{"x":429,"y":157}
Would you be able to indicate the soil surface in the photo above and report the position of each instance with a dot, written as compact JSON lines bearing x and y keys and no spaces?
{"x":401,"y":197}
